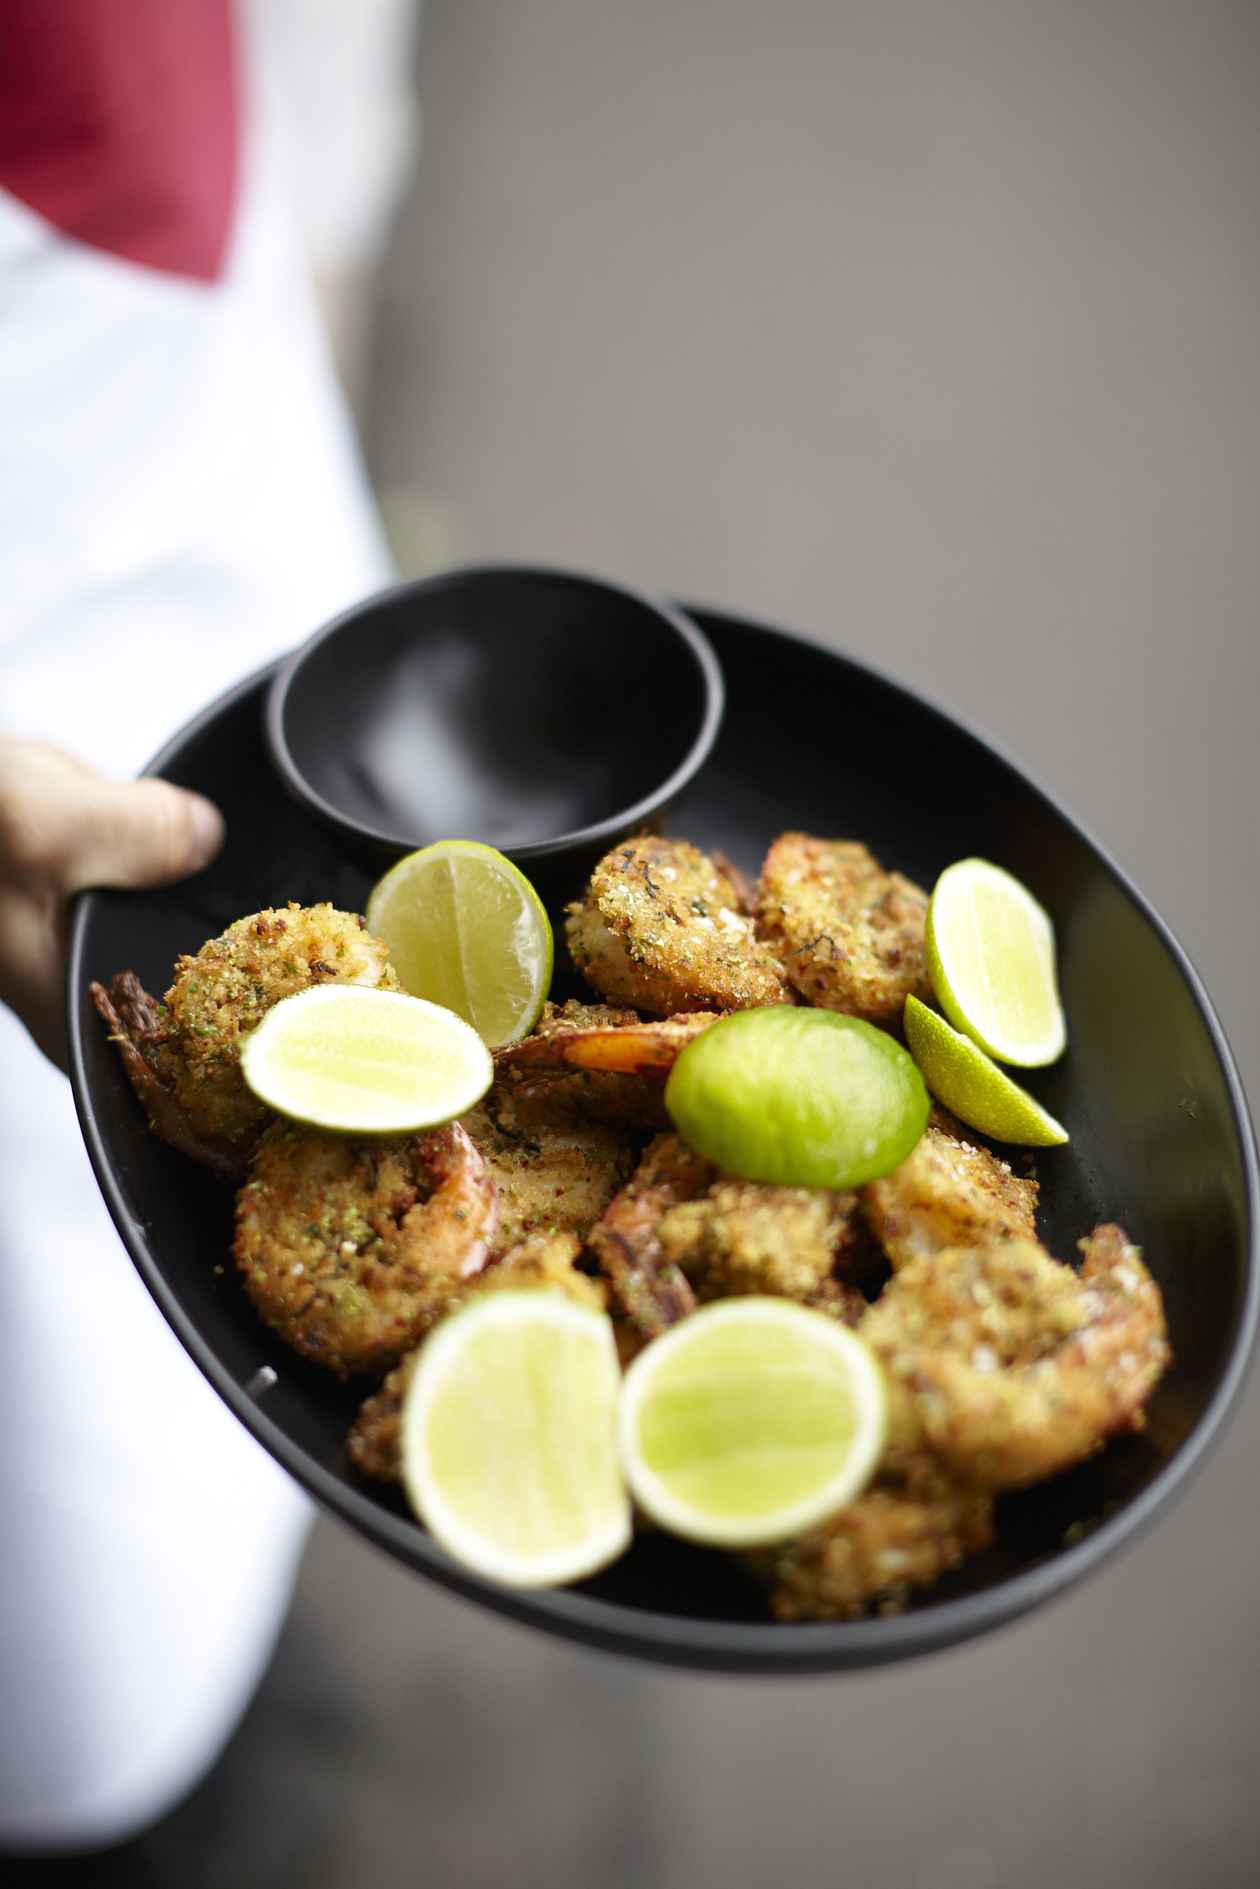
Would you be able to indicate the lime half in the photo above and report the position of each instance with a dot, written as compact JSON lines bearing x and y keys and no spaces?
{"x":990,"y":955}
{"x":804,"y":1098}
{"x":365,"y":1062}
{"x":750,"y":1421}
{"x":509,"y":1439}
{"x":968,"y":1082}
{"x":466,"y":929}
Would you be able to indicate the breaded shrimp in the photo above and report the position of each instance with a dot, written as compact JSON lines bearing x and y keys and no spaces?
{"x":609,"y":1070}
{"x":140,"y":1029}
{"x":947,"y":1192}
{"x":661,"y":927}
{"x":910,"y":1527}
{"x":623,"y":1049}
{"x":183,"y":1057}
{"x":649,"y":1290}
{"x":849,"y":935}
{"x":374,"y":1443}
{"x":625,"y":1100}
{"x":543,"y":1262}
{"x":351,"y":1249}
{"x":552,"y":1169}
{"x":744,"y":1236}
{"x":225,"y":991}
{"x":1009,"y":1365}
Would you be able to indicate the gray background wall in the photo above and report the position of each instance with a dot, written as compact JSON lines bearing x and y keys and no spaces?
{"x":931,"y":330}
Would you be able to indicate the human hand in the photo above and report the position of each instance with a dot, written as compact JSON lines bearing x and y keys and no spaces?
{"x":63,"y":827}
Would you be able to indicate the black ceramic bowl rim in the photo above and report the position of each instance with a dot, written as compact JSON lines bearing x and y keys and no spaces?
{"x":717,"y":1645}
{"x":605,"y":831}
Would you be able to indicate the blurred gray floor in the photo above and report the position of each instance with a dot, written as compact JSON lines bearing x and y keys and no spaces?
{"x":931,"y":331}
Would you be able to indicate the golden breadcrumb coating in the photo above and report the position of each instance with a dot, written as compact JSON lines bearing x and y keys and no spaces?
{"x":948,"y":1192}
{"x":748,"y":1237}
{"x":661,"y":927}
{"x":552,"y":1169}
{"x":849,"y":935}
{"x":351,"y":1248}
{"x":1009,"y":1366}
{"x":909,"y":1528}
{"x":225,"y":991}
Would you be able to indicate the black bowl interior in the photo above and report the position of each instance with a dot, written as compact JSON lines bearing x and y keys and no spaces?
{"x":1159,"y":1132}
{"x":520,"y":707}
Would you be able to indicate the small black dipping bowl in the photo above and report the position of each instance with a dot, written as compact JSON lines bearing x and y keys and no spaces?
{"x":545,"y":713}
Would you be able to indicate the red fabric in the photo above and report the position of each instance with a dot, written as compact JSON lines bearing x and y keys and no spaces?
{"x":119,"y":123}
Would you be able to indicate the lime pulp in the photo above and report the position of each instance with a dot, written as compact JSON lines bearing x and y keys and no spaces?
{"x":509,"y":1439}
{"x":991,"y":959}
{"x":465,"y":928}
{"x":364,"y":1061}
{"x":751,"y":1420}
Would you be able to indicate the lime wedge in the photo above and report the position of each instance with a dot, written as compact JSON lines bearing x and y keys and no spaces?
{"x":509,"y":1439}
{"x":804,"y":1098}
{"x":750,"y":1421}
{"x":365,"y":1062}
{"x":990,"y":955}
{"x":466,"y":929}
{"x":973,"y":1087}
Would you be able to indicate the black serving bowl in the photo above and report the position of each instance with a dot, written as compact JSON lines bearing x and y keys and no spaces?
{"x":545,"y":713}
{"x":1160,"y":1137}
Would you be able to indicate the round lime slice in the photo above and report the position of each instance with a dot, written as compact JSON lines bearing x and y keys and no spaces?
{"x":509,"y":1439}
{"x":973,"y":1087}
{"x":365,"y":1062}
{"x":990,"y":955}
{"x":804,"y":1098}
{"x":466,"y":929}
{"x":751,"y":1420}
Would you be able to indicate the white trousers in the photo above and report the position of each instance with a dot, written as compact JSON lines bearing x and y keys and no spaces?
{"x":149,"y":1545}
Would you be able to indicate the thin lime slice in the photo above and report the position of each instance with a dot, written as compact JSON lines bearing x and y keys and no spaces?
{"x":990,"y":955}
{"x":804,"y":1098}
{"x":509,"y":1439}
{"x":466,"y":929}
{"x":365,"y":1062}
{"x":751,"y":1420}
{"x":973,"y":1087}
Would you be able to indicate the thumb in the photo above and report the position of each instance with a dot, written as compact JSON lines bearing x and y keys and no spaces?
{"x":140,"y":833}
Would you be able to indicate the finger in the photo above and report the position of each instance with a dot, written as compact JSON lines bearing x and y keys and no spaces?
{"x":138,"y":833}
